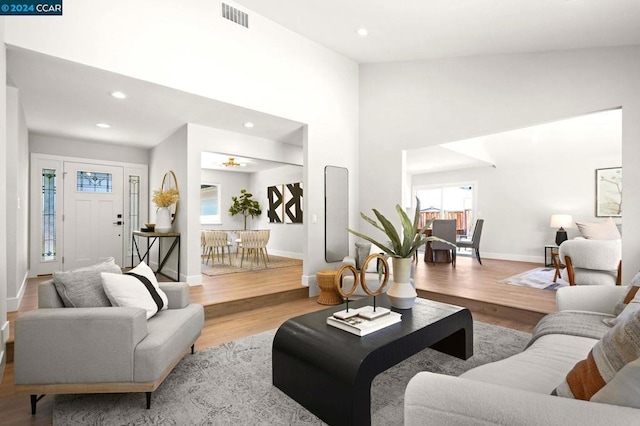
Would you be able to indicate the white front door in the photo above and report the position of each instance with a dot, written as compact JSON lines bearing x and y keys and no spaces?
{"x":93,"y":214}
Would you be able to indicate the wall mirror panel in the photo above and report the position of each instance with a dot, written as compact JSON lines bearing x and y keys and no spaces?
{"x":336,"y":213}
{"x":169,"y":181}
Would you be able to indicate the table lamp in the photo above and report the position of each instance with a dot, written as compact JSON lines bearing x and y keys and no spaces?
{"x":561,"y":221}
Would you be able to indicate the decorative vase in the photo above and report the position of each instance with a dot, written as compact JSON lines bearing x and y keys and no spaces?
{"x":163,"y":220}
{"x":402,"y":294}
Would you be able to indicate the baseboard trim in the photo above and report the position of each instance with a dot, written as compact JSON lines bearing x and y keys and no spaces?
{"x":512,"y":257}
{"x":289,"y":254}
{"x":13,"y":303}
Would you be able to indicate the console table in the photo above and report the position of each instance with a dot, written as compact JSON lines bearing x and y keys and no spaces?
{"x":329,"y":371}
{"x":151,"y":238}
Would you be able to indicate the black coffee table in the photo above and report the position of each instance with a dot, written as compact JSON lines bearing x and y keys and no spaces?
{"x":329,"y":371}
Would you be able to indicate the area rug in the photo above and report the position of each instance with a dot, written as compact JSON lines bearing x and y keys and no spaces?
{"x":224,"y":268}
{"x":231,"y":385}
{"x":536,"y":278}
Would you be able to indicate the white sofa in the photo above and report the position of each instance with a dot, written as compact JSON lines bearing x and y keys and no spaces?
{"x":517,"y":390}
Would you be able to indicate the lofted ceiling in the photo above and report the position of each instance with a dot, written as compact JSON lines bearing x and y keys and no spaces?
{"x":67,"y":99}
{"x":421,"y":29}
{"x":586,"y":136}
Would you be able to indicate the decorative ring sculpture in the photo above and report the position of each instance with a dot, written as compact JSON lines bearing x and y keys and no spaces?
{"x":363,"y":280}
{"x":337,"y":280}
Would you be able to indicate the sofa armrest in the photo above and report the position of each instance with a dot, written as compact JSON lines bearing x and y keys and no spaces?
{"x":437,"y":399}
{"x":177,"y":294}
{"x":48,"y":296}
{"x":77,"y":345}
{"x":590,"y":298}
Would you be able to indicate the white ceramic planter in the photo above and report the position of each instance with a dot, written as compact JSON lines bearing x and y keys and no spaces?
{"x":163,"y":220}
{"x":402,"y":294}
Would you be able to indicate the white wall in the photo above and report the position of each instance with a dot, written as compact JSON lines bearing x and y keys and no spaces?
{"x":285,"y":239}
{"x":422,"y":103}
{"x":67,"y":147}
{"x":17,"y":177}
{"x":517,"y":199}
{"x":171,"y":155}
{"x":266,"y":68}
{"x":4,"y":324}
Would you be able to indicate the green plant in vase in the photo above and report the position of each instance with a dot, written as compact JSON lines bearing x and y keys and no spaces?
{"x":401,"y":247}
{"x":245,"y":205}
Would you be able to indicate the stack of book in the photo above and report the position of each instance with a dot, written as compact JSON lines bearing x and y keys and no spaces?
{"x":362,"y":321}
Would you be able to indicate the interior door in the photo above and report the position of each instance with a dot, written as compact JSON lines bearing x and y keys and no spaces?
{"x":93,"y":214}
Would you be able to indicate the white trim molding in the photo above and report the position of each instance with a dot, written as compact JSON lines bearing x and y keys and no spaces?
{"x":13,"y":303}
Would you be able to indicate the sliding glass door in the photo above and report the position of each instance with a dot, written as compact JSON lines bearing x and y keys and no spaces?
{"x":448,"y":202}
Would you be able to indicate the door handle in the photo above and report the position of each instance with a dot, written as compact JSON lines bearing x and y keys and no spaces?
{"x":118,"y":222}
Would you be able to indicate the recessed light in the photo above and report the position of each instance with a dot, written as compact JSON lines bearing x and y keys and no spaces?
{"x":248,"y":125}
{"x":103,"y":125}
{"x":362,"y":32}
{"x":119,"y":95}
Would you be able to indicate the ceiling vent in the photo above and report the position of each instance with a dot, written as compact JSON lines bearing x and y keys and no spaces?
{"x":235,"y":15}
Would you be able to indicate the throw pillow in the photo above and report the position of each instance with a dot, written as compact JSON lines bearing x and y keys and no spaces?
{"x":632,"y":304}
{"x":606,"y":230}
{"x":137,"y":288}
{"x":82,"y":288}
{"x":596,"y":378}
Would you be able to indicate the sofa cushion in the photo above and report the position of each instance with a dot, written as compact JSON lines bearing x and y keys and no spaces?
{"x":138,"y":288}
{"x":596,"y":375}
{"x":82,"y":288}
{"x":606,"y":230}
{"x":537,"y":369}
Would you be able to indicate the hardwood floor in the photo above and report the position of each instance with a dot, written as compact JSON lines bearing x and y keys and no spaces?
{"x":242,"y":304}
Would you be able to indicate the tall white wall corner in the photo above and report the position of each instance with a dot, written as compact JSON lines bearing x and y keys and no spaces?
{"x":311,"y":282}
{"x":5,"y":332}
{"x":13,"y":303}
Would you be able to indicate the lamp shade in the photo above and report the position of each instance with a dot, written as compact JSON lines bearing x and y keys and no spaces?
{"x":561,"y":221}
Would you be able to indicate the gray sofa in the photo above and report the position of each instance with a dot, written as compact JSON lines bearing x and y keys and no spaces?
{"x":517,"y":390}
{"x":102,"y":350}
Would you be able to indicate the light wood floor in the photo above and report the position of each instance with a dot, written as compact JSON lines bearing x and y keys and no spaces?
{"x":469,"y":283}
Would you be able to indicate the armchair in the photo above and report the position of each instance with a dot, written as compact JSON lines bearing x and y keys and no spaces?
{"x":103,"y":349}
{"x":590,"y":262}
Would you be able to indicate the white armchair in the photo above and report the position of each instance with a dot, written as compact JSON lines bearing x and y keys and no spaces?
{"x":591,"y":262}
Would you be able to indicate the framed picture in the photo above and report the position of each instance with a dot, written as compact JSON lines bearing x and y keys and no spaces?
{"x":609,"y":192}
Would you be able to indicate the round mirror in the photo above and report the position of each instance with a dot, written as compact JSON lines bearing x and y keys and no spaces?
{"x":169,"y":181}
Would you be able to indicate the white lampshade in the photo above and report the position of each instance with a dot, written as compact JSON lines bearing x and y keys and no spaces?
{"x":561,"y":221}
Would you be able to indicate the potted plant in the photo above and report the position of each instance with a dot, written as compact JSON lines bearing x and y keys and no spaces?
{"x":163,"y":199}
{"x":401,"y":247}
{"x":245,"y":205}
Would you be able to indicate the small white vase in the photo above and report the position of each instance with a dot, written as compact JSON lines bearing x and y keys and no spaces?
{"x":402,"y":294}
{"x":163,"y":220}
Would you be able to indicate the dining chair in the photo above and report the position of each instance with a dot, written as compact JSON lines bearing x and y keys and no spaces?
{"x":215,"y":243}
{"x":253,"y":246}
{"x":474,"y":243}
{"x":444,"y":229}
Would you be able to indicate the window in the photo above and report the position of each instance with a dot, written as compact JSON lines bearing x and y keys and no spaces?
{"x":448,"y":202}
{"x":48,"y":215}
{"x":94,"y":182}
{"x":134,"y":210}
{"x":210,"y":203}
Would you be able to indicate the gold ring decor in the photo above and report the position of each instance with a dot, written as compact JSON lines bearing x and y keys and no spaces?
{"x":363,"y":280}
{"x":337,"y":280}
